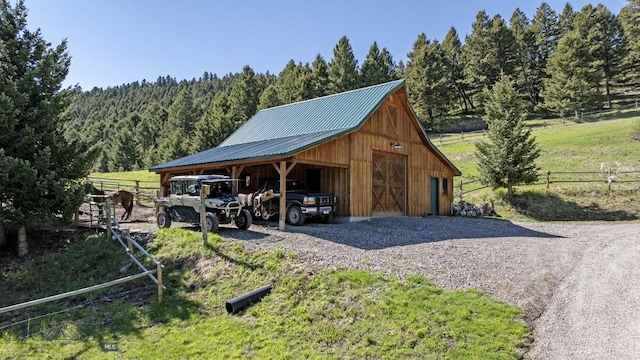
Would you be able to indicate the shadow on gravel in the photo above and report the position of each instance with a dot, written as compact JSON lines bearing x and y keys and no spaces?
{"x":380,"y":233}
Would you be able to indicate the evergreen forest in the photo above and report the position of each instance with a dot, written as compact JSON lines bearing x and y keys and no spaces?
{"x":561,"y":62}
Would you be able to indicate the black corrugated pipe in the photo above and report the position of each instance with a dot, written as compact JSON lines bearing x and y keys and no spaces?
{"x":238,"y":303}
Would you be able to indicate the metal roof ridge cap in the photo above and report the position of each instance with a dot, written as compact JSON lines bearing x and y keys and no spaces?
{"x":331,"y":95}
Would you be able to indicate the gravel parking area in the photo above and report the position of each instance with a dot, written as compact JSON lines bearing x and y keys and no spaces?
{"x":577,"y":283}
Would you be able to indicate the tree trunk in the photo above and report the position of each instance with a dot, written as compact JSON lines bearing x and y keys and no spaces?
{"x":577,"y":114}
{"x":3,"y":236}
{"x":23,"y":245}
{"x":509,"y":190}
{"x":608,"y":86}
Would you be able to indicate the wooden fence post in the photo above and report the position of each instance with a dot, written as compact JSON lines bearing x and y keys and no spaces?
{"x":204,"y":191}
{"x":107,"y":204}
{"x":548,"y":175}
{"x":461,"y":189}
{"x":609,"y":179}
{"x":137,"y":189}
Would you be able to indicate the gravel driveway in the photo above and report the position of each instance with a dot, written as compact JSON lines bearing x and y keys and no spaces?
{"x":579,"y":284}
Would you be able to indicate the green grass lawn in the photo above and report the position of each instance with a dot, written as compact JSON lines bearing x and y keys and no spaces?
{"x":328,"y":314}
{"x":142,"y":175}
{"x":568,"y":146}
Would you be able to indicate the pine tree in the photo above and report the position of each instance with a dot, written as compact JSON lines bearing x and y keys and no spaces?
{"x":574,"y":76}
{"x":452,"y":52}
{"x":207,"y":133}
{"x":508,"y":158}
{"x":378,"y":67}
{"x":124,"y":154}
{"x":526,"y":76}
{"x":319,"y":78}
{"x":604,"y":32}
{"x":488,"y":52}
{"x":269,"y":98}
{"x":244,"y":96}
{"x":544,"y":25}
{"x":343,"y":68}
{"x":427,"y":81}
{"x":181,"y":121}
{"x":42,"y":172}
{"x":565,"y":20}
{"x":630,"y":21}
{"x":294,"y":83}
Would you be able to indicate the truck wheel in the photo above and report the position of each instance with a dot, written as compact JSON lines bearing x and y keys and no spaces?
{"x":243,"y":221}
{"x":295,"y":216}
{"x":212,"y":222}
{"x":163,"y":219}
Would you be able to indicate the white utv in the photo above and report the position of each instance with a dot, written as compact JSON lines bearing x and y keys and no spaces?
{"x":183,"y":203}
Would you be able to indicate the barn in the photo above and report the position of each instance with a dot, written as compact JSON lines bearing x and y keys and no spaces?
{"x":365,"y":145}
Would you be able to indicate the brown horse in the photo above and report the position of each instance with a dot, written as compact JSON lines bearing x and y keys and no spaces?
{"x":122,"y":197}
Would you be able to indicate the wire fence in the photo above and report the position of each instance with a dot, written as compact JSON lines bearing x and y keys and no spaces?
{"x":143,"y":190}
{"x":608,"y":177}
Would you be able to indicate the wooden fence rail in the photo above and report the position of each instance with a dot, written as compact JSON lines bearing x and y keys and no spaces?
{"x":141,"y":189}
{"x":608,"y":177}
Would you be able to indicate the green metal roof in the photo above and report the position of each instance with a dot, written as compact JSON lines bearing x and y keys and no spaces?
{"x":346,"y":110}
{"x":285,"y":130}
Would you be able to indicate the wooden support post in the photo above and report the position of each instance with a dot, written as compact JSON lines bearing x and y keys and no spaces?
{"x":283,"y":194}
{"x":203,"y":213}
{"x":159,"y":277}
{"x":235,"y":173}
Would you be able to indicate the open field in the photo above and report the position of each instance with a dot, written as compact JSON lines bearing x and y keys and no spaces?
{"x":589,"y":146}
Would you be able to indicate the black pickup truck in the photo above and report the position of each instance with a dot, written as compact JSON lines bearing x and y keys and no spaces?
{"x":302,"y":203}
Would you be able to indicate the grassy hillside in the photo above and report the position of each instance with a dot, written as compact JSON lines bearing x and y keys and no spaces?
{"x":329,"y":314}
{"x":567,"y":146}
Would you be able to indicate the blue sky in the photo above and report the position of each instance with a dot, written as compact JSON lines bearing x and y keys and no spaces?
{"x":113,"y":42}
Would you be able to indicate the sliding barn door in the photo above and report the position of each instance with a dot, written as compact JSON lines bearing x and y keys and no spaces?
{"x":389,"y":185}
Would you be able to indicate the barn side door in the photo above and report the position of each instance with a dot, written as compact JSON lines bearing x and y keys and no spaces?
{"x":435,"y":191}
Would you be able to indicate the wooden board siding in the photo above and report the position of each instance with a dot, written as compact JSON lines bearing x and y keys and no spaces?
{"x":334,"y":152}
{"x":388,"y":125}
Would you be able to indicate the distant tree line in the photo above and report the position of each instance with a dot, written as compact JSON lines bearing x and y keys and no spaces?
{"x":562,"y":62}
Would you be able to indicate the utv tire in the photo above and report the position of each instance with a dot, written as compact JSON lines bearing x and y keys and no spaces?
{"x":212,"y":223}
{"x":163,"y":219}
{"x":295,"y":216}
{"x":244,"y":220}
